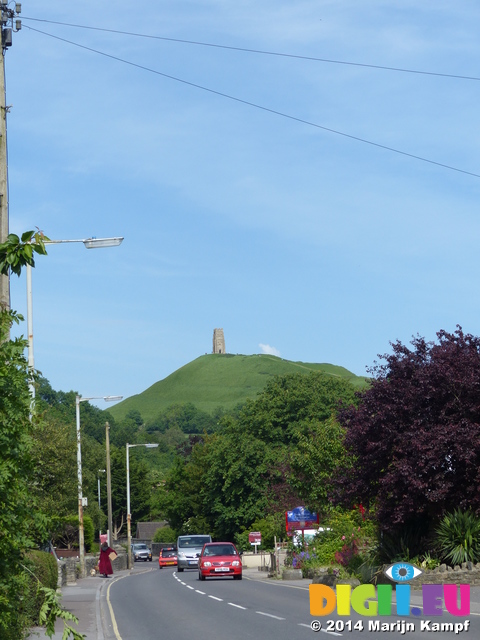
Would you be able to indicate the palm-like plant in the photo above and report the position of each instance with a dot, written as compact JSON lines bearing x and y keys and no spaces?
{"x":458,"y":537}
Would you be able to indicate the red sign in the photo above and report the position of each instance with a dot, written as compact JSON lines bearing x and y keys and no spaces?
{"x":255,"y":537}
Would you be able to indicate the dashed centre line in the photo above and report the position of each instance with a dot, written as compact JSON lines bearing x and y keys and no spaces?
{"x":238,"y":606}
{"x":269,"y":615}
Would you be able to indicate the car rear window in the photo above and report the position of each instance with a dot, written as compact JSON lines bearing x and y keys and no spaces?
{"x":168,"y":554}
{"x":193,"y":541}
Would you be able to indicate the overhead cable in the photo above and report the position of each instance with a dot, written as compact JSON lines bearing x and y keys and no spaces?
{"x":257,"y":106}
{"x":261,"y":52}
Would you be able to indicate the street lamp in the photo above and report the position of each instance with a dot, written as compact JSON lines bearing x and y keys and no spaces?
{"x":78,"y":400}
{"x":129,"y":515}
{"x":90,"y":243}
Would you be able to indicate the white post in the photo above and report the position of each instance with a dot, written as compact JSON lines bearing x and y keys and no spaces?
{"x":129,"y":530}
{"x":31,"y":362}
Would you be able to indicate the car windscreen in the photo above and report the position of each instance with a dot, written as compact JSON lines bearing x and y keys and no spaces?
{"x":193,"y":541}
{"x":219,"y":550}
{"x":168,"y":554}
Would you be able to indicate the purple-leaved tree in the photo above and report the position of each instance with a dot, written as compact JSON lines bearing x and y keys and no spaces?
{"x":414,"y":441}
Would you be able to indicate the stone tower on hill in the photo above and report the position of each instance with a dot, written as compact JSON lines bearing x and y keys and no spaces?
{"x":218,"y":341}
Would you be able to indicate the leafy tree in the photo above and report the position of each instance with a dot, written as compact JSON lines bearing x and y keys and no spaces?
{"x":19,"y":522}
{"x":254,"y":464}
{"x":414,"y":442}
{"x":16,"y":253}
{"x":185,"y":417}
{"x":54,"y":466}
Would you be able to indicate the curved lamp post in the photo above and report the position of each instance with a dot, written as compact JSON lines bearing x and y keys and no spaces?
{"x":78,"y":400}
{"x":90,"y":243}
{"x":129,"y":515}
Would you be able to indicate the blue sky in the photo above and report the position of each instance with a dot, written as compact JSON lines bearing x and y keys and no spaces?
{"x":293,"y":239}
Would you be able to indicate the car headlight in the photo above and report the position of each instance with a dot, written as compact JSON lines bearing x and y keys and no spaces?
{"x":235,"y":563}
{"x":182,"y":556}
{"x":206,"y":564}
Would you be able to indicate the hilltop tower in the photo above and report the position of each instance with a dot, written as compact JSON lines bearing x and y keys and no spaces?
{"x":218,"y":341}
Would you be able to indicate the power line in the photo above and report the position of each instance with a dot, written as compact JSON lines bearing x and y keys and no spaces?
{"x":257,"y":106}
{"x":260,"y":51}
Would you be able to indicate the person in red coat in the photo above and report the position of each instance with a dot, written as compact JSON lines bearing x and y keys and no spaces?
{"x":105,"y":561}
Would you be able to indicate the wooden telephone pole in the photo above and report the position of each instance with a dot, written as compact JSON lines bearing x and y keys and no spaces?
{"x":7,"y":16}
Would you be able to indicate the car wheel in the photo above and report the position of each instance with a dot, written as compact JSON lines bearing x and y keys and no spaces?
{"x":200,"y":576}
{"x":150,"y":559}
{"x":179,"y":569}
{"x":160,"y":566}
{"x":239,"y":577}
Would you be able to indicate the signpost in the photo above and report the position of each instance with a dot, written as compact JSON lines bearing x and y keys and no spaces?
{"x":300,"y":519}
{"x":255,"y":538}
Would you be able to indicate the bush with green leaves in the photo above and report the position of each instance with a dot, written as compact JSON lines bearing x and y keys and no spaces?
{"x":41,"y":569}
{"x":457,"y":537}
{"x":165,"y":534}
{"x":271,"y":527}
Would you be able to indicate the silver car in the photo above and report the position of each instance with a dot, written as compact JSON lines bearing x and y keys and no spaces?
{"x":188,"y":550}
{"x":140,"y":551}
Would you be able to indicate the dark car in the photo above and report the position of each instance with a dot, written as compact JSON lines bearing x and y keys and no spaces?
{"x":219,"y":559}
{"x":140,"y":551}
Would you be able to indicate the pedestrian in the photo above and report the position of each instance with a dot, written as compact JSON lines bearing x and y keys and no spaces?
{"x":107,"y":554}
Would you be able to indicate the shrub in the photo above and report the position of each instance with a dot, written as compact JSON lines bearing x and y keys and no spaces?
{"x":41,"y":570}
{"x":88,"y":532}
{"x":165,"y":534}
{"x":458,"y":537}
{"x":270,"y":527}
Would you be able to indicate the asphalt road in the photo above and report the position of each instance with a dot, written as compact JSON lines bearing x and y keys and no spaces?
{"x":151,"y":604}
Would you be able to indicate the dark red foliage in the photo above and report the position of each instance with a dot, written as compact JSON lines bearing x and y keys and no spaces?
{"x":344,"y":556}
{"x":415,"y":438}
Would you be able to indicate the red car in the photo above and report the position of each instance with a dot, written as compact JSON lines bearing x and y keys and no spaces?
{"x":219,"y":559}
{"x":167,"y":557}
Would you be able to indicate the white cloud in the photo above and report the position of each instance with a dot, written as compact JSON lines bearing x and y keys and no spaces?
{"x":266,"y":348}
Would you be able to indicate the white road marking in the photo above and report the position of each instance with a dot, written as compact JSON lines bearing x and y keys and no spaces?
{"x":269,"y":615}
{"x":189,"y":587}
{"x":232,"y":604}
{"x":202,"y":592}
{"x":215,"y":598}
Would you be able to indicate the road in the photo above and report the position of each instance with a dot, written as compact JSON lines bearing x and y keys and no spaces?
{"x":151,"y":604}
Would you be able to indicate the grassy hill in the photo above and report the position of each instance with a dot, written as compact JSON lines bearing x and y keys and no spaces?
{"x":217,"y":380}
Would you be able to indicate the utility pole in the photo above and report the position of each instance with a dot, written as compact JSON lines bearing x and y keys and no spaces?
{"x":7,"y":16}
{"x":109,"y":483}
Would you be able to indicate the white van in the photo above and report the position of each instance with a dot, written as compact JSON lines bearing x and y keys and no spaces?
{"x":308,"y":535}
{"x":188,"y":550}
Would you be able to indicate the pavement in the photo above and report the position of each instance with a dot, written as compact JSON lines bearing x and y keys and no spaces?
{"x":84,"y":600}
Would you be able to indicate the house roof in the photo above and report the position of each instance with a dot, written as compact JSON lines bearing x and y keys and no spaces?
{"x":146,"y":530}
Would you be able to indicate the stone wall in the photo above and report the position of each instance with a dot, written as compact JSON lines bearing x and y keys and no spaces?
{"x":69,"y":568}
{"x":466,"y":573}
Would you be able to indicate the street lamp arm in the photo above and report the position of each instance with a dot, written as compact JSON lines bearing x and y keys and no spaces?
{"x":92,"y":243}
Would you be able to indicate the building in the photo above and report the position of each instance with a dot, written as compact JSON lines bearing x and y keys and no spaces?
{"x":218,"y":341}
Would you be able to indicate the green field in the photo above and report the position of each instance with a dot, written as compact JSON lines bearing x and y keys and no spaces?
{"x":221,"y":380}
